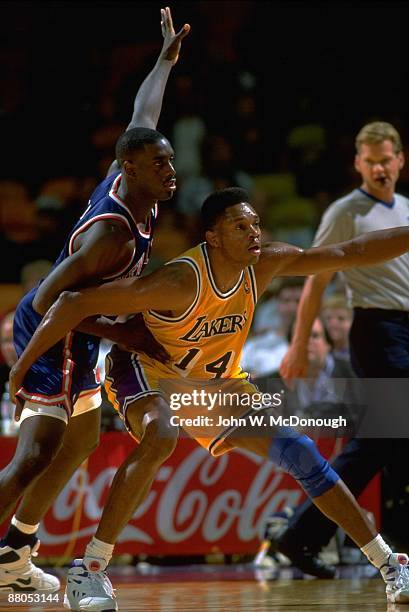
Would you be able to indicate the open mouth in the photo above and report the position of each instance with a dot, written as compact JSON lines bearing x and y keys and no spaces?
{"x":255,"y":249}
{"x":171,"y":184}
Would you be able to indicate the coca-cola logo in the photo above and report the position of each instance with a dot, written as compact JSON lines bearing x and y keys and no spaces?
{"x":197,"y":497}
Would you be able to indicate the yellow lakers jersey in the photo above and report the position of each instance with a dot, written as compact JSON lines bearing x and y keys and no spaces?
{"x":207,"y":340}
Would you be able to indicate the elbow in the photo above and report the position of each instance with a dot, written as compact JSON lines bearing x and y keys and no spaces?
{"x":66,"y":304}
{"x":43,"y":303}
{"x":66,"y":297}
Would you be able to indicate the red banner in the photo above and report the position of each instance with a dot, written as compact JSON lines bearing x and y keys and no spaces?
{"x":197,"y":504}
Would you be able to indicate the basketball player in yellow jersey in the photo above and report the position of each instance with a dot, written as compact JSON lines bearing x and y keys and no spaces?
{"x":200,"y":306}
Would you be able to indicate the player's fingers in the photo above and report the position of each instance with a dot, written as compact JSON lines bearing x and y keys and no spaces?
{"x":169,"y":21}
{"x":183,"y":32}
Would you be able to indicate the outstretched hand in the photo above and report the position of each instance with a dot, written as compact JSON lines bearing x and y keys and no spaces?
{"x":172,"y":41}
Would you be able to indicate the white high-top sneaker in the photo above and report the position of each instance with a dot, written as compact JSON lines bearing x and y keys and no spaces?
{"x":89,"y":588}
{"x":19,"y":574}
{"x":396,"y":575}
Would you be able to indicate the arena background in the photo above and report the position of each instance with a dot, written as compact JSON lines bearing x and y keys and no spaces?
{"x":280,"y":87}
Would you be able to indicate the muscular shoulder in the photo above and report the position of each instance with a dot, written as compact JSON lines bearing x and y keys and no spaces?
{"x":105,"y":247}
{"x":113,"y":232}
{"x":181,"y":275}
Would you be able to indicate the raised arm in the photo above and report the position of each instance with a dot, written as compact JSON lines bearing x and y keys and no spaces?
{"x":148,"y":101}
{"x":172,"y":287}
{"x":279,"y":259}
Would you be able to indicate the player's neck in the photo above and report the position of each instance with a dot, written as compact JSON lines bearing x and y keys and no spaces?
{"x":138,"y":203}
{"x":225,"y":274}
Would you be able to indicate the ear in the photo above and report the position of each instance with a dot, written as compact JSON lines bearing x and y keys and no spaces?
{"x":401,"y":160}
{"x":357,"y":163}
{"x":129,"y":169}
{"x":212,"y":239}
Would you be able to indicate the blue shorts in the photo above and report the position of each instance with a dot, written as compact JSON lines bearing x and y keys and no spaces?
{"x":63,"y":375}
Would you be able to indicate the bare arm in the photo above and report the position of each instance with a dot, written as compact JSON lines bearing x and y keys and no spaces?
{"x":295,"y":361}
{"x":132,"y":335}
{"x":172,"y":287}
{"x":149,"y":98}
{"x":103,"y":251}
{"x":280,"y":259}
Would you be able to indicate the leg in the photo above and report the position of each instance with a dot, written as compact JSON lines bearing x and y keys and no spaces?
{"x":137,"y":472}
{"x":80,"y":439}
{"x":39,"y":441}
{"x":40,"y":438}
{"x":357,"y":464}
{"x":333,"y":499}
{"x":148,"y":420}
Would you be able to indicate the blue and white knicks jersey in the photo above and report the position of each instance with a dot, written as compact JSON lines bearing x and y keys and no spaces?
{"x":63,"y":372}
{"x":106,"y":204}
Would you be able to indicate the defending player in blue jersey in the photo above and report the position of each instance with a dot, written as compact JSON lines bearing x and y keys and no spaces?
{"x":111,"y":240}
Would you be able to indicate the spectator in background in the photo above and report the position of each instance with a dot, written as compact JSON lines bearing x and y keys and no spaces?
{"x":219,"y":170}
{"x":279,"y":308}
{"x":33,"y":272}
{"x":337,"y":317}
{"x":189,"y":129}
{"x":247,"y":131}
{"x":263,"y":352}
{"x":6,"y":339}
{"x":329,"y":387}
{"x":8,"y":354}
{"x":30,"y":274}
{"x":18,"y":237}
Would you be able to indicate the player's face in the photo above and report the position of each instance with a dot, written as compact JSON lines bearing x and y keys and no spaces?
{"x":239,"y":234}
{"x":379,"y":167}
{"x":155,"y":175}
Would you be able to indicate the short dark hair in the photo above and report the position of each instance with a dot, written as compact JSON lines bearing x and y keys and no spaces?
{"x":134,"y":140}
{"x":216,"y":203}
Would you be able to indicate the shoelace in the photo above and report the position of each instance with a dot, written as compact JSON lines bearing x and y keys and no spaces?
{"x":396,"y":575}
{"x":102,"y":582}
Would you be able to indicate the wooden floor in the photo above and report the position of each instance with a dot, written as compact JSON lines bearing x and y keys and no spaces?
{"x":236,"y":588}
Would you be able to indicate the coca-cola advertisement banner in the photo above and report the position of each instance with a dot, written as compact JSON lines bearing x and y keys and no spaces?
{"x":197,"y":504}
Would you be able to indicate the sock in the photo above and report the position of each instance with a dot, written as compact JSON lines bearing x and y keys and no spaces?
{"x":377,"y":551}
{"x":23,"y":527}
{"x":98,"y":550}
{"x":20,"y":534}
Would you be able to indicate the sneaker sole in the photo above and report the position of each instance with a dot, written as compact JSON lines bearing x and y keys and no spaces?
{"x":11,"y":589}
{"x":67,"y":605}
{"x":402,"y":599}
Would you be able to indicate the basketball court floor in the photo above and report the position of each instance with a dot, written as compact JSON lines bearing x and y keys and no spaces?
{"x":218,"y":588}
